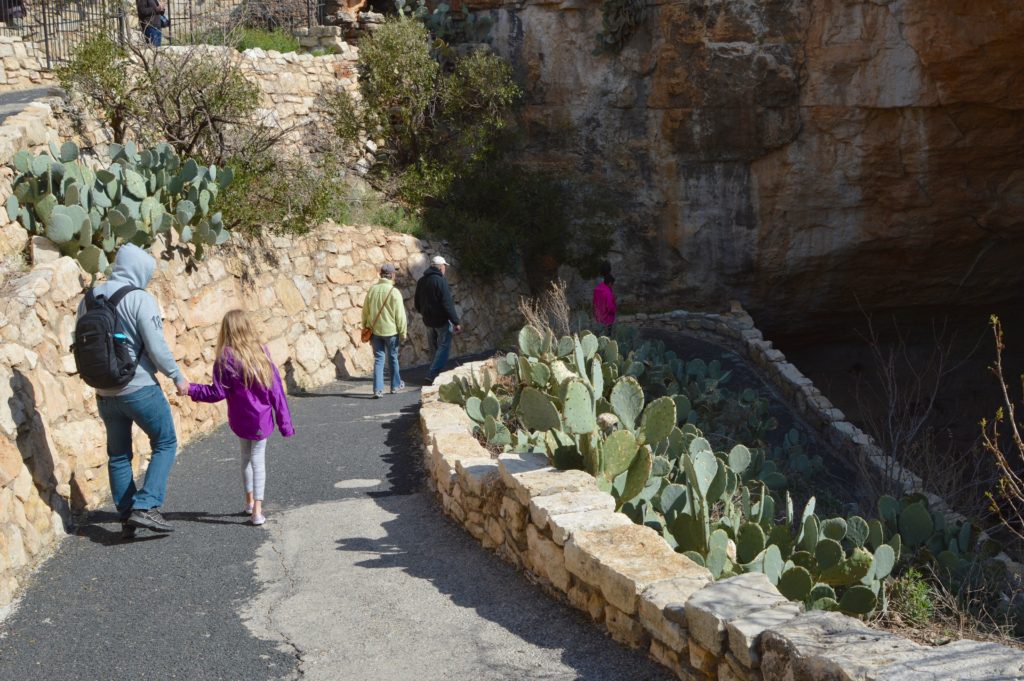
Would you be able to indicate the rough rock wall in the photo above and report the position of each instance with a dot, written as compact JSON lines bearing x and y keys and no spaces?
{"x":790,"y":150}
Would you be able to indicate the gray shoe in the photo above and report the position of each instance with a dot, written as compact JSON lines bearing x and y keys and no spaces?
{"x":378,"y":395}
{"x":400,"y":388}
{"x":151,"y":519}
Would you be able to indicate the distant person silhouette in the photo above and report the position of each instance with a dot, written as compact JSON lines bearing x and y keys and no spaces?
{"x":604,"y":300}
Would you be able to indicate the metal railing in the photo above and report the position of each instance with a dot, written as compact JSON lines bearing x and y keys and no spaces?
{"x":57,"y":27}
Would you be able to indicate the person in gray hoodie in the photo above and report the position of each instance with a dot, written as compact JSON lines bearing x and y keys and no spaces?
{"x":141,"y":401}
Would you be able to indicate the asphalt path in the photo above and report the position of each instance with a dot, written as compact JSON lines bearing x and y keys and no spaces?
{"x":15,"y":101}
{"x":356,"y":575}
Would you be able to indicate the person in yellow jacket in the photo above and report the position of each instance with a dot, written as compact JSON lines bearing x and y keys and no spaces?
{"x":384,"y":314}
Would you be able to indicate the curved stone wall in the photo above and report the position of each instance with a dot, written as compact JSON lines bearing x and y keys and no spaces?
{"x":558,"y":527}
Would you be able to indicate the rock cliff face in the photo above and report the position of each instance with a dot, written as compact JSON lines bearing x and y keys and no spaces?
{"x":791,"y":153}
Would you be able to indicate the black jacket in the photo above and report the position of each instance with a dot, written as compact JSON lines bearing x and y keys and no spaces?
{"x":149,"y":13}
{"x":434,"y":299}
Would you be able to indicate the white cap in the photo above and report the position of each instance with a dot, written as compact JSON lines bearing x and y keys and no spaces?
{"x":438,"y":260}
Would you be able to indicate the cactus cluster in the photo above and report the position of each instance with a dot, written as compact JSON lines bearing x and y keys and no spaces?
{"x":89,"y":213}
{"x":632,"y":415}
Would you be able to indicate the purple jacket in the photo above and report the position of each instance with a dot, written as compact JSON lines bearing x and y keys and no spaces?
{"x":250,"y":410}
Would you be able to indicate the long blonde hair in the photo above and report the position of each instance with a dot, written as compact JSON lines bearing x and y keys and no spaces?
{"x":238,"y":334}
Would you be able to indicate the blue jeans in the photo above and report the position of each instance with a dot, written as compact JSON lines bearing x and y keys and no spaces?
{"x":440,"y":344}
{"x":148,"y":408}
{"x":154,"y":36}
{"x":385,"y":347}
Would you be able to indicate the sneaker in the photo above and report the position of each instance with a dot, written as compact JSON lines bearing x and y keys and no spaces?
{"x":428,"y":381}
{"x":378,"y":394}
{"x":149,"y":518}
{"x":258,"y":520}
{"x":248,"y":509}
{"x":401,"y":387}
{"x":127,"y":531}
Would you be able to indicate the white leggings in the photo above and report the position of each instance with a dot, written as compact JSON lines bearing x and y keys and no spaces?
{"x":254,"y":466}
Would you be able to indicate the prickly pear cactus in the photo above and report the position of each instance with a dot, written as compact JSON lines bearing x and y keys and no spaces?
{"x":143,"y":193}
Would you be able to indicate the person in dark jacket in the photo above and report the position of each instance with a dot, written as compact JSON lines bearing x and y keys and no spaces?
{"x":12,"y":12}
{"x":151,"y":20}
{"x":434,"y":302}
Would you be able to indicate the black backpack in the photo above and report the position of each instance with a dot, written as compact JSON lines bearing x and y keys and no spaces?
{"x":102,"y":355}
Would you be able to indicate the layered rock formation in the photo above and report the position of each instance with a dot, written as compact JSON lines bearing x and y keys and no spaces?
{"x":791,"y":153}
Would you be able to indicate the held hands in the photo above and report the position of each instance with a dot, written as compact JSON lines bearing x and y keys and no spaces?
{"x":458,"y":328}
{"x":182,"y":387}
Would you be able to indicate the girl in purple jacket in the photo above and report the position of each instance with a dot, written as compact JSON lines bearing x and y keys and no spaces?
{"x":244,"y":375}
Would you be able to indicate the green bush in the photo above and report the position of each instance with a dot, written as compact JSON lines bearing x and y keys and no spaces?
{"x":281,"y":192}
{"x":910,"y":597}
{"x":278,"y":41}
{"x":99,"y":70}
{"x":448,"y":148}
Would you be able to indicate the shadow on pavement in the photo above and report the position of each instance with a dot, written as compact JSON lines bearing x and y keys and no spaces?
{"x":456,"y":565}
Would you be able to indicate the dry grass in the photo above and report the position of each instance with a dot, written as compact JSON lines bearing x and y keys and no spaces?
{"x":897,"y":402}
{"x":939,"y":615}
{"x":549,"y":311}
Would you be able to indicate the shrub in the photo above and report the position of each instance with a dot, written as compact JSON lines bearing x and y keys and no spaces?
{"x":201,"y":104}
{"x":100,"y":71}
{"x":277,"y":40}
{"x":448,"y":144}
{"x":910,"y":597}
{"x":283,"y":192}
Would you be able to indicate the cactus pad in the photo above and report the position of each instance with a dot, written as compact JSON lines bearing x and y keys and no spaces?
{"x":537,"y":411}
{"x":657,"y":421}
{"x":627,"y":399}
{"x":619,"y":450}
{"x":795,"y":583}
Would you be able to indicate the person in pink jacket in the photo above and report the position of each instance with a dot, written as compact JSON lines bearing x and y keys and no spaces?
{"x":604,"y":299}
{"x":244,"y":375}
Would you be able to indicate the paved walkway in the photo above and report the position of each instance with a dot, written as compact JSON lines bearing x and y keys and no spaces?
{"x":357,"y":575}
{"x":16,"y":100}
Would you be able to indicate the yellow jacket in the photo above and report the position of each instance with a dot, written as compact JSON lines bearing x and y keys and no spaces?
{"x":392,"y":320}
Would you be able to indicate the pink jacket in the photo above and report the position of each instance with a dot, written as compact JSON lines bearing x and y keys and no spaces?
{"x":251,"y":410}
{"x":604,"y":304}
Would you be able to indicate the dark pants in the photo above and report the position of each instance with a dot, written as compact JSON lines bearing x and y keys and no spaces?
{"x":148,"y":408}
{"x":440,"y":339}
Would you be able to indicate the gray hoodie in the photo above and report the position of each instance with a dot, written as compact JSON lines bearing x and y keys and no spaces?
{"x":140,"y":319}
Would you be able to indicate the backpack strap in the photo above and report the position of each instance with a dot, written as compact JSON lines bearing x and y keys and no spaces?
{"x":115,"y":299}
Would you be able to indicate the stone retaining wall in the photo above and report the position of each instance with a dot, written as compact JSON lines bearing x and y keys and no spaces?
{"x":24,"y":64}
{"x":292,"y":81}
{"x":562,"y":530}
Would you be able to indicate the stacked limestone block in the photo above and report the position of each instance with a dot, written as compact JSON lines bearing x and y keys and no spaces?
{"x":24,"y":64}
{"x":564,"y":532}
{"x":290,"y":82}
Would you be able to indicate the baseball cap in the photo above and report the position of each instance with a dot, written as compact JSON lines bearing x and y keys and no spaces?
{"x":438,"y":260}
